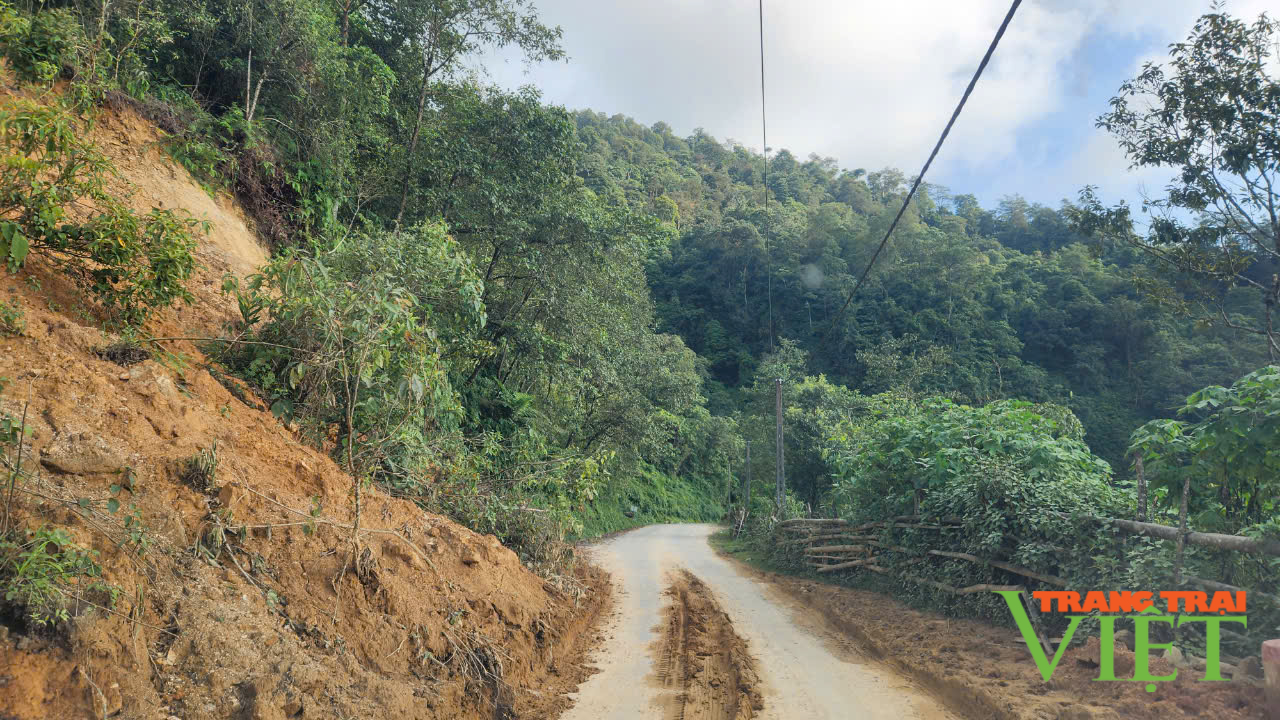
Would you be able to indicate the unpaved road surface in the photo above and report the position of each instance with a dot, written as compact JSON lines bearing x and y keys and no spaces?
{"x":674,"y":647}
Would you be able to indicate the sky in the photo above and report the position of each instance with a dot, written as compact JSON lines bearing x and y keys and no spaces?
{"x":873,"y":83}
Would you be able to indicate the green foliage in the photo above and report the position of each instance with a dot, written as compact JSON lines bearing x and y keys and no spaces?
{"x":1209,"y":113}
{"x":131,"y":263}
{"x":345,"y":342}
{"x":971,"y":303}
{"x":545,"y":323}
{"x":1229,"y":449}
{"x":43,"y":572}
{"x":13,"y":320}
{"x":41,"y":47}
{"x":205,"y":147}
{"x":1015,"y":474}
{"x":899,"y":453}
{"x":650,"y":497}
{"x":200,"y":471}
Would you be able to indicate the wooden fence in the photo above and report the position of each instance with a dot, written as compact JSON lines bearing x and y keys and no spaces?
{"x":832,"y":545}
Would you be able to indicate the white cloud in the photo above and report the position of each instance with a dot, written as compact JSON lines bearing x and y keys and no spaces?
{"x":871,"y":84}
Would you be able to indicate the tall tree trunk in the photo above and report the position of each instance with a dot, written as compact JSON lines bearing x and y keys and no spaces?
{"x":428,"y":57}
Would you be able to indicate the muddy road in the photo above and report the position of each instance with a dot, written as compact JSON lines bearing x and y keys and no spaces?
{"x":692,"y":637}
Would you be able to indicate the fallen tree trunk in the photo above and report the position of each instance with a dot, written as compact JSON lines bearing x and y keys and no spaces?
{"x":834,"y":548}
{"x":806,"y":522}
{"x":851,"y":563}
{"x":1215,"y":585}
{"x":1236,"y":543}
{"x":825,"y":538}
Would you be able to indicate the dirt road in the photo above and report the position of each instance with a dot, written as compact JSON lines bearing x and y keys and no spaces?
{"x":674,"y":647}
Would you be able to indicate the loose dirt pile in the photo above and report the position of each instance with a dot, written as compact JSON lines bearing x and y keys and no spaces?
{"x":986,"y":672}
{"x":231,"y":600}
{"x":701,"y":660}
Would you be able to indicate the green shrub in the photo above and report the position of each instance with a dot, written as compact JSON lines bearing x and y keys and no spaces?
{"x":43,"y":572}
{"x":200,"y":471}
{"x":349,"y":343}
{"x":1015,"y":473}
{"x":12,"y":319}
{"x":39,"y":47}
{"x":131,"y":263}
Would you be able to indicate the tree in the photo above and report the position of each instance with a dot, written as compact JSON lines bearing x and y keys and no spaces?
{"x":1225,"y":453}
{"x":1213,"y":115}
{"x":425,"y":39}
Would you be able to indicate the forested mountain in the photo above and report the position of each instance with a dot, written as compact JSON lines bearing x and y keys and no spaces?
{"x":540,"y":320}
{"x":974,"y":303}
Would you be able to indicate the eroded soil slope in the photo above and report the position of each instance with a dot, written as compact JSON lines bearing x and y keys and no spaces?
{"x":231,"y":600}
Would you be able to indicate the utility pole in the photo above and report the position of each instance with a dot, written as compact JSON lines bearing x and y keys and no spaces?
{"x":746,"y":500}
{"x":781,"y":465}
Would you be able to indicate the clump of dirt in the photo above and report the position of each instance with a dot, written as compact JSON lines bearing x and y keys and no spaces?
{"x":701,"y":660}
{"x":124,"y":353}
{"x":232,"y":600}
{"x":984,"y":672}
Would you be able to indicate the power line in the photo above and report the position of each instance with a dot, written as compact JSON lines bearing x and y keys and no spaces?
{"x":764,"y":132}
{"x":919,"y":178}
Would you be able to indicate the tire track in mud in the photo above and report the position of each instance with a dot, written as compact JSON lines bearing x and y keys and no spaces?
{"x":702,"y":665}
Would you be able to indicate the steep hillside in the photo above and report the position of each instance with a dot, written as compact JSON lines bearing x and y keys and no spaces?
{"x":236,"y":591}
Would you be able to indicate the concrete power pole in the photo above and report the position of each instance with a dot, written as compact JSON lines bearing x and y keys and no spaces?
{"x":781,"y":463}
{"x":746,"y":500}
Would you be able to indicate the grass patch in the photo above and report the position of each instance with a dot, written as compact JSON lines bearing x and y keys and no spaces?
{"x":743,"y":549}
{"x":652,"y":497}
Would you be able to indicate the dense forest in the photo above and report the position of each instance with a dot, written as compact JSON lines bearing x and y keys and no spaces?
{"x":546,"y":322}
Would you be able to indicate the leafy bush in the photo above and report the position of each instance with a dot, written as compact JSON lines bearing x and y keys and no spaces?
{"x":39,"y":47}
{"x":348,"y":342}
{"x":42,"y":572}
{"x":1227,"y":447}
{"x":1225,"y":451}
{"x":890,"y":459}
{"x":12,"y":319}
{"x":131,"y":263}
{"x":1015,"y":473}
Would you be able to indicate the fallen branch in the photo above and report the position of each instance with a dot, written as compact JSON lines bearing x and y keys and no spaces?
{"x":835,"y":548}
{"x":1215,"y":585}
{"x":1235,"y":543}
{"x":804,"y":522}
{"x":1015,"y":569}
{"x":851,"y":563}
{"x":826,"y":538}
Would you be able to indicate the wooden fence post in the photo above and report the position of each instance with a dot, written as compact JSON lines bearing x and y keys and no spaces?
{"x":1271,"y":673}
{"x":1142,"y":486}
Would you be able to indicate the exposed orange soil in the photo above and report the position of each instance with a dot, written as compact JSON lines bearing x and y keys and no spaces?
{"x":431,"y":620}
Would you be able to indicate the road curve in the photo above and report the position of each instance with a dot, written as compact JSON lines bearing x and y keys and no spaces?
{"x":805,"y":671}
